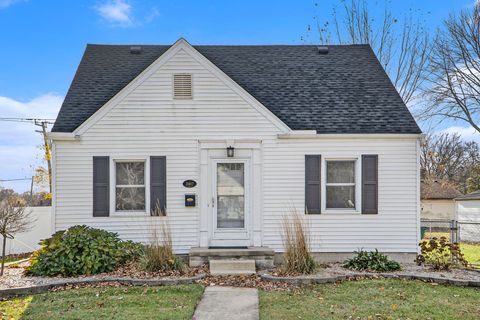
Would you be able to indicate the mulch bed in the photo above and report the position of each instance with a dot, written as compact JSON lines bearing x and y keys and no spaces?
{"x":248,"y":281}
{"x":14,"y":275}
{"x":133,"y":270}
{"x":336,"y":269}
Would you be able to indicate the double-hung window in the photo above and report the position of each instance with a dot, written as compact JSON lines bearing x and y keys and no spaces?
{"x":340,"y":184}
{"x":130,"y":185}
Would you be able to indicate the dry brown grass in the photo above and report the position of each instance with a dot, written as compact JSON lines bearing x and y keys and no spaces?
{"x":158,"y":254}
{"x":297,"y":257}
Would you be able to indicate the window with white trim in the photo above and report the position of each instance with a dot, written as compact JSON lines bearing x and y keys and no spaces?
{"x":129,"y":185}
{"x":340,"y":184}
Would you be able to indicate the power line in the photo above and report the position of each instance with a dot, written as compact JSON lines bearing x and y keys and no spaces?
{"x":19,"y":179}
{"x":30,"y":120}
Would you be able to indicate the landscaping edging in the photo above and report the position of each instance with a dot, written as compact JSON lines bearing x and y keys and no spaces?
{"x":302,"y":280}
{"x":11,"y":292}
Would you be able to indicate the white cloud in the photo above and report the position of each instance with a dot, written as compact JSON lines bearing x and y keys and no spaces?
{"x":467,"y":133}
{"x":116,"y":11}
{"x":7,"y":3}
{"x":19,"y":143}
{"x":154,"y":12}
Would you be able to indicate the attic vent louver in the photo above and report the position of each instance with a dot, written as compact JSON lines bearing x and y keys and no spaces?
{"x":322,"y":50}
{"x":182,"y":86}
{"x":135,"y":50}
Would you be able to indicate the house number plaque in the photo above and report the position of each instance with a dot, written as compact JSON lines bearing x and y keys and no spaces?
{"x":189,"y":183}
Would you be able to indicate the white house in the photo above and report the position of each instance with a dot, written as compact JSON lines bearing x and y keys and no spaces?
{"x":226,"y":140}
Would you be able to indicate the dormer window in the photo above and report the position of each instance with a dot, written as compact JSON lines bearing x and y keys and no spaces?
{"x":182,"y":86}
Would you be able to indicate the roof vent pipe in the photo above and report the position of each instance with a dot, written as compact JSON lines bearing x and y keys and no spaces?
{"x":135,"y":50}
{"x":322,"y":50}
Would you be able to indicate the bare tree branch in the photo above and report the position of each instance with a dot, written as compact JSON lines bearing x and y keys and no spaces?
{"x":402,"y":47}
{"x":454,"y":82}
{"x":14,"y":218}
{"x":448,"y":157}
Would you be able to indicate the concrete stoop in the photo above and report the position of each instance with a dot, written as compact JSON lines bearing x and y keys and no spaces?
{"x":263,"y":257}
{"x":232,"y":267}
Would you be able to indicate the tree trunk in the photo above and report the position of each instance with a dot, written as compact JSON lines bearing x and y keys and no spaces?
{"x":3,"y":253}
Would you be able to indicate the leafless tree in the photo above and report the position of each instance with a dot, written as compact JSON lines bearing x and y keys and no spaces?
{"x":14,"y":218}
{"x":448,"y":157}
{"x":454,"y":90}
{"x":401,"y":45}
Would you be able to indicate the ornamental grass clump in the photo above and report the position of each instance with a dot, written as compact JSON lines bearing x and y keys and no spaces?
{"x":371,"y":261}
{"x":158,"y":255}
{"x":297,"y":258}
{"x":81,"y":250}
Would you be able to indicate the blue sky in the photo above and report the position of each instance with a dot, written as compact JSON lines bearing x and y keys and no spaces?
{"x":42,"y":43}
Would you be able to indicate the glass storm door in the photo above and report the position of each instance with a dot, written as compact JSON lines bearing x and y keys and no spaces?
{"x":230,"y":195}
{"x":230,"y":202}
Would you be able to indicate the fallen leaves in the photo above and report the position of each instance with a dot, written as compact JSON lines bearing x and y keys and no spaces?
{"x":248,"y":281}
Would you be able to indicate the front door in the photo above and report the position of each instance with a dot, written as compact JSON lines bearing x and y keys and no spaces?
{"x":230,"y":202}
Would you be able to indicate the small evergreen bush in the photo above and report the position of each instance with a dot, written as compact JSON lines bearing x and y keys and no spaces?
{"x":81,"y":250}
{"x":371,"y":260}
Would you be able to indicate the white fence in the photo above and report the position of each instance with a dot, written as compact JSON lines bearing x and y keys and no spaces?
{"x":28,"y":241}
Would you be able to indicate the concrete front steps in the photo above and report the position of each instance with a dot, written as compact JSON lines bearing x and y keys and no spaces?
{"x":233,"y":260}
{"x":232,"y":267}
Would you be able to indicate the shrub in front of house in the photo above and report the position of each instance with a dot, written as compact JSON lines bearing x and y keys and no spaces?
{"x":81,"y":250}
{"x":371,"y":260}
{"x":158,"y":255}
{"x":440,"y":254}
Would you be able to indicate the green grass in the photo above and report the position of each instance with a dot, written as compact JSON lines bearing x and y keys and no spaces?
{"x":373,"y":299}
{"x":168,"y":302}
{"x":471,"y":252}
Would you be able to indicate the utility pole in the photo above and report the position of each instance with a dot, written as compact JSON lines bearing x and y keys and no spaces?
{"x":48,"y":155}
{"x":43,"y":123}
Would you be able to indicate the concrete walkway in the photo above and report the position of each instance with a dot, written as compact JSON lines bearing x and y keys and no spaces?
{"x":228,"y":303}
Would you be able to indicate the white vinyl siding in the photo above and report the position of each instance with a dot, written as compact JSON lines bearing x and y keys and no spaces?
{"x":393,"y":229}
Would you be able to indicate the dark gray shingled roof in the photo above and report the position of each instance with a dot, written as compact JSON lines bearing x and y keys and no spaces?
{"x":470,"y":196}
{"x":344,"y":91}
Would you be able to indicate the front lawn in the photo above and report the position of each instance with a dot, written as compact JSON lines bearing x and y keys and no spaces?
{"x":373,"y":299}
{"x":169,"y":302}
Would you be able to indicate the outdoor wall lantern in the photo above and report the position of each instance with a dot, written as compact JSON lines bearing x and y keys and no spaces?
{"x":230,"y":152}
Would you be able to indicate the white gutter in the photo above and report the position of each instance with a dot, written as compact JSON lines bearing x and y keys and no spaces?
{"x":63,"y":136}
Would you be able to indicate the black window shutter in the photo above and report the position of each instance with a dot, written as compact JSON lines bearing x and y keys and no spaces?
{"x":101,"y":186}
{"x":312,"y":183}
{"x":158,"y":185}
{"x":370,"y":184}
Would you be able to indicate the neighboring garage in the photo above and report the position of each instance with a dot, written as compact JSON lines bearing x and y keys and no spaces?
{"x":468,"y":215}
{"x":437,"y":199}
